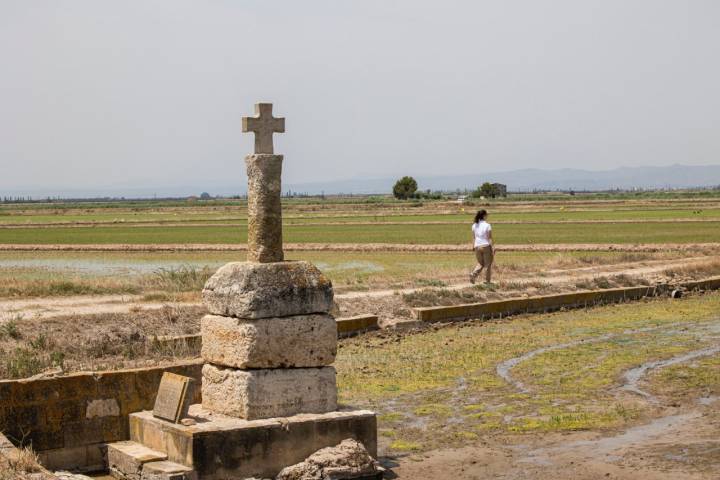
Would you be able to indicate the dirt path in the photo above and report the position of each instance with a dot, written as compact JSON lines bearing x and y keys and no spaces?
{"x":556,"y":277}
{"x":86,"y":305}
{"x":76,"y":305}
{"x":365,"y":247}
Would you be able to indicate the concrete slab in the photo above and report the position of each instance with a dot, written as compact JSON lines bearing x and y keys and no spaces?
{"x":219,"y":446}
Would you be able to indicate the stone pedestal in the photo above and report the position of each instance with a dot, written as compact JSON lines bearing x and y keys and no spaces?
{"x":220,"y":447}
{"x":269,"y":341}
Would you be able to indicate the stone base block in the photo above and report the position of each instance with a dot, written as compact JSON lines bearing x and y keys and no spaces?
{"x":220,"y":447}
{"x":126,"y":459}
{"x":284,"y":342}
{"x":268,"y":393}
{"x":263,"y":290}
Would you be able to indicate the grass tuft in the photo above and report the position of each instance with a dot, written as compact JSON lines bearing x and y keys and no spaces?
{"x":182,"y":279}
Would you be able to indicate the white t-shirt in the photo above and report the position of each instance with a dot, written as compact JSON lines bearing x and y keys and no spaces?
{"x":482,"y":230}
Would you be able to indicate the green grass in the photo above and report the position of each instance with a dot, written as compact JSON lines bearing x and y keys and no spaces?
{"x":410,"y":234}
{"x":328,"y":216}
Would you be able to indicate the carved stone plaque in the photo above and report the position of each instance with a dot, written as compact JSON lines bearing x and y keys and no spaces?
{"x":173,"y":398}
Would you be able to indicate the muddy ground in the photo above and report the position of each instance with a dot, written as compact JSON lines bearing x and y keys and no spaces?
{"x":633,"y":393}
{"x":674,"y":447}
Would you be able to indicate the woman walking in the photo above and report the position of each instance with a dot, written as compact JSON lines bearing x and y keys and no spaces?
{"x":483,"y":245}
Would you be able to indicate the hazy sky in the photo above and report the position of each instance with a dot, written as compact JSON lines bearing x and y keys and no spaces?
{"x":150,"y":92}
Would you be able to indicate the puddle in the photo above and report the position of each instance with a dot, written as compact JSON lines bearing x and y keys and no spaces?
{"x":633,"y":376}
{"x":361,"y":266}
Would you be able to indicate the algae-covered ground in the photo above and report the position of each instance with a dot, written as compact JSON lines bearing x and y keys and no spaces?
{"x":566,"y":371}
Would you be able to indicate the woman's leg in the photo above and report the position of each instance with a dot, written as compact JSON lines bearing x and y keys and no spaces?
{"x":479,"y":266}
{"x":488,"y":258}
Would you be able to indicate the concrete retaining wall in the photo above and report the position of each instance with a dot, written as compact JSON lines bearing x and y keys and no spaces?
{"x":548,"y":303}
{"x":68,"y":419}
{"x":354,"y":325}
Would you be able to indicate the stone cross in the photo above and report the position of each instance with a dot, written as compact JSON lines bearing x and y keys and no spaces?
{"x":264,"y":171}
{"x":263,"y":125}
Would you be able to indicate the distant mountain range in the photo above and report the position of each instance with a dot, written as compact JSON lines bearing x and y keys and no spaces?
{"x":675,"y":176}
{"x":626,"y":178}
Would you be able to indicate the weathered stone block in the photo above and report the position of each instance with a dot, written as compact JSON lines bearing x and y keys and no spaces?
{"x":268,"y":393}
{"x":126,"y":459}
{"x":262,"y":290}
{"x":297,"y":341}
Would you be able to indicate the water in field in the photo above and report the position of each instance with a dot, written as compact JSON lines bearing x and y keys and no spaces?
{"x":357,"y":265}
{"x":102,"y":266}
{"x":132,"y":264}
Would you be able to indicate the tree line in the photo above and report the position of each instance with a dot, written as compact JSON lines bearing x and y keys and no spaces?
{"x":407,"y":188}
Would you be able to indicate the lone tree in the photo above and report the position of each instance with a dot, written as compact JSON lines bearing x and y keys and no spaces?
{"x":487,"y":190}
{"x":405,"y":188}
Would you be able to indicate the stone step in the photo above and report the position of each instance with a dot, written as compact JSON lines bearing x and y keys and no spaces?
{"x":167,"y":470}
{"x":126,"y":459}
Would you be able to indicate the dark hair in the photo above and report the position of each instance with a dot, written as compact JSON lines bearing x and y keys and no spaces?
{"x":480,"y":215}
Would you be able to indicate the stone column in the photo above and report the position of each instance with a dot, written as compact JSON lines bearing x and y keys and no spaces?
{"x":264,"y":208}
{"x":269,"y":341}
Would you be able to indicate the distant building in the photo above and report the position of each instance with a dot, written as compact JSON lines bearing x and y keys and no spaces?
{"x":500,"y":189}
{"x":461,"y":199}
